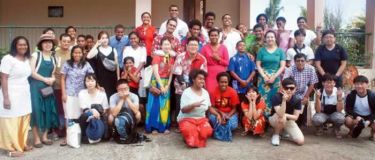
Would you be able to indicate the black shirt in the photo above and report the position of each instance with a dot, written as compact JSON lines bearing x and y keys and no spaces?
{"x":293,"y":104}
{"x":330,"y":60}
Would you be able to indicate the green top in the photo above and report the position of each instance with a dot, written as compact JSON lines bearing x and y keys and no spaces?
{"x":270,"y":60}
{"x":252,"y":45}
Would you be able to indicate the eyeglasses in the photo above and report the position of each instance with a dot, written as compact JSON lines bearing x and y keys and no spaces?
{"x":289,"y":88}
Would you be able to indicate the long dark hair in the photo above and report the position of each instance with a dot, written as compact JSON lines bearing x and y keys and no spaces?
{"x":255,"y":89}
{"x":81,"y":63}
{"x":13,"y":46}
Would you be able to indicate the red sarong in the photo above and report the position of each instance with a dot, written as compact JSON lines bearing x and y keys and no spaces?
{"x":195,"y":131}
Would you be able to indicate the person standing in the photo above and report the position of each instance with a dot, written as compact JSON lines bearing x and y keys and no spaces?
{"x":146,"y":33}
{"x":119,"y":41}
{"x":181,"y":27}
{"x":229,"y":36}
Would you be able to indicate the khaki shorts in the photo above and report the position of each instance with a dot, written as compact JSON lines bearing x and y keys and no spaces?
{"x":291,"y":127}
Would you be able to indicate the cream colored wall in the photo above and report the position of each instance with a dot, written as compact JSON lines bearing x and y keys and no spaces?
{"x":160,"y":10}
{"x":221,"y":7}
{"x":76,"y":12}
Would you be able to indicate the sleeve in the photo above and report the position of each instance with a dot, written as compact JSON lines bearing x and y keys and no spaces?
{"x":235,"y":99}
{"x":310,"y":54}
{"x":82,"y":100}
{"x":65,"y":68}
{"x":344,"y":54}
{"x":156,"y":60}
{"x":244,"y":106}
{"x":135,"y":99}
{"x":163,"y":28}
{"x":116,"y":56}
{"x":314,"y":77}
{"x":6,"y":64}
{"x":207,"y":99}
{"x":225,"y":59}
{"x":275,"y":101}
{"x":298,"y":105}
{"x":89,"y":68}
{"x":260,"y":55}
{"x":231,"y":66}
{"x":105,"y":101}
{"x":184,"y":99}
{"x":113,"y":101}
{"x":144,"y":54}
{"x":261,"y":105}
{"x":289,"y":54}
{"x":317,"y":54}
{"x":282,"y":54}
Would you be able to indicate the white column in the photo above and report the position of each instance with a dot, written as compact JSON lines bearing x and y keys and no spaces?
{"x":140,"y":7}
{"x":315,"y":13}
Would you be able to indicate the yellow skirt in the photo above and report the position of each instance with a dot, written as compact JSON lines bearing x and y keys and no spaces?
{"x":14,"y":132}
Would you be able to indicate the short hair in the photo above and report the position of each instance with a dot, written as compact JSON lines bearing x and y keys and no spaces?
{"x":208,"y":14}
{"x":173,"y":5}
{"x":360,"y":79}
{"x":213,"y":30}
{"x":70,"y":27}
{"x":40,"y":47}
{"x":195,"y":22}
{"x":222,"y":74}
{"x":91,"y":76}
{"x":89,"y":36}
{"x":65,"y":35}
{"x":121,"y":81}
{"x":48,"y":29}
{"x":258,"y":26}
{"x":133,"y":33}
{"x":301,"y":18}
{"x":164,"y":39}
{"x":288,"y":81}
{"x":261,"y":15}
{"x":119,"y":26}
{"x":101,"y":34}
{"x":128,"y":58}
{"x":226,"y":14}
{"x":192,"y":39}
{"x":171,"y":19}
{"x":195,"y":72}
{"x":238,"y":26}
{"x":300,"y":32}
{"x":13,"y":46}
{"x":144,"y":13}
{"x":326,"y":32}
{"x":81,"y":36}
{"x":282,"y":19}
{"x":238,"y":43}
{"x":300,"y":55}
{"x":328,"y":77}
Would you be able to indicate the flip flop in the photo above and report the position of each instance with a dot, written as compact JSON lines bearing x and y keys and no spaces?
{"x":39,"y":145}
{"x":47,"y":142}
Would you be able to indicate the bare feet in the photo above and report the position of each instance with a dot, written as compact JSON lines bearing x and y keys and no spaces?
{"x":15,"y":154}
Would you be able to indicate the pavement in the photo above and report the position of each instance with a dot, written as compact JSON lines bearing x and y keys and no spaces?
{"x":172,"y":147}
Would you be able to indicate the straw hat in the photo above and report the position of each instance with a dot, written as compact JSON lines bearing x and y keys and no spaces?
{"x":47,"y":37}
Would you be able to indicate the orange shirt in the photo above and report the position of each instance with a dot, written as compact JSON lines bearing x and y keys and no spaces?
{"x":224,"y":101}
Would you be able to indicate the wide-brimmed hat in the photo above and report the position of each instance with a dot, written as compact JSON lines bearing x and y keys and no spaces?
{"x":47,"y":37}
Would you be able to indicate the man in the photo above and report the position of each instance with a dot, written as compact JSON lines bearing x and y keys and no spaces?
{"x":90,"y":42}
{"x":81,"y":40}
{"x":331,"y":57}
{"x":286,"y":108}
{"x":185,"y":63}
{"x":223,"y":112}
{"x":171,"y":27}
{"x":62,"y":55}
{"x":255,"y":41}
{"x":311,"y":37}
{"x":124,"y":113}
{"x":209,"y":20}
{"x":181,"y":27}
{"x":194,"y":31}
{"x":229,"y":36}
{"x":329,"y":106}
{"x":119,"y":41}
{"x":360,"y":108}
{"x":299,"y":48}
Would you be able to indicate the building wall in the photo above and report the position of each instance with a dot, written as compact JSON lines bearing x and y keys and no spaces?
{"x":160,"y":10}
{"x":221,"y":7}
{"x":76,"y":12}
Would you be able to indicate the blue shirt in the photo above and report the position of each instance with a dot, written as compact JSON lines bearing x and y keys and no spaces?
{"x":243,"y":66}
{"x":119,"y":46}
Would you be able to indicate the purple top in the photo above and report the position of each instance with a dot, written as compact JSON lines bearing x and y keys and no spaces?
{"x":75,"y":77}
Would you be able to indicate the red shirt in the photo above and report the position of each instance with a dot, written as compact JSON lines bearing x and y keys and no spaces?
{"x":131,"y":83}
{"x":165,"y":65}
{"x":225,"y":101}
{"x":261,"y":105}
{"x":146,"y":36}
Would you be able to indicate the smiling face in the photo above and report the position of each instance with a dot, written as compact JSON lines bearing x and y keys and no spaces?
{"x":192,"y":47}
{"x":119,"y":32}
{"x":214,"y":37}
{"x":47,"y":45}
{"x":146,"y":19}
{"x":241,"y":47}
{"x":329,"y":85}
{"x":166,"y":46}
{"x":171,"y":26}
{"x":329,"y":39}
{"x":81,"y":42}
{"x":21,"y":47}
{"x":361,"y":88}
{"x":134,"y":40}
{"x":77,"y":54}
{"x":258,"y":32}
{"x":209,"y":22}
{"x":195,"y":30}
{"x":129,"y":64}
{"x":199,"y":81}
{"x":262,"y":20}
{"x":104,"y":39}
{"x":227,"y":20}
{"x":223,"y":83}
{"x":300,"y":63}
{"x":271,"y":38}
{"x":301,"y":24}
{"x":173,"y":12}
{"x":72,"y":32}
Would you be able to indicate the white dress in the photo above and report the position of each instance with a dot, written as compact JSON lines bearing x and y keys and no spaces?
{"x":18,"y":87}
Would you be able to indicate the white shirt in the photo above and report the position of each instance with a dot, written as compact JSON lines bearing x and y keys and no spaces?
{"x":231,"y":41}
{"x":306,"y":50}
{"x":181,"y":29}
{"x":86,"y":100}
{"x":188,"y":97}
{"x":361,"y":106}
{"x":18,"y":87}
{"x":330,"y":99}
{"x":139,"y":54}
{"x":310,"y":36}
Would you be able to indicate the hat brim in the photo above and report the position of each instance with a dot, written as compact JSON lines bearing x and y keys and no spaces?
{"x":44,"y":40}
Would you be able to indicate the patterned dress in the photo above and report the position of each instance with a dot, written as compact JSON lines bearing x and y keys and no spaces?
{"x":256,"y":126}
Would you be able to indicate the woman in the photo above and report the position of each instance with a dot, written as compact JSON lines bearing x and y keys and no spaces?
{"x":15,"y":113}
{"x":192,"y":120}
{"x":146,"y":33}
{"x":158,"y":106}
{"x":106,"y":63}
{"x":89,"y":96}
{"x":44,"y":113}
{"x":72,"y":31}
{"x":72,"y":81}
{"x":282,"y":34}
{"x":217,"y":58}
{"x":270,"y":63}
{"x":253,"y":108}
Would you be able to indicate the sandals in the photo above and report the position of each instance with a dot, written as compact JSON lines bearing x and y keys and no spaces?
{"x":39,"y":145}
{"x":47,"y":142}
{"x":63,"y":143}
{"x":28,"y":148}
{"x":15,"y":154}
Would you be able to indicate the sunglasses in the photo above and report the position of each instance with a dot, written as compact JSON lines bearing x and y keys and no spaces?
{"x":289,"y":88}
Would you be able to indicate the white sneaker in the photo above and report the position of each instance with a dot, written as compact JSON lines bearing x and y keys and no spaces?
{"x":275,"y":140}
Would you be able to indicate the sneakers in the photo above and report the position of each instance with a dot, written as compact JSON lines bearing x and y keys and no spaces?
{"x":275,"y":140}
{"x":358,"y":129}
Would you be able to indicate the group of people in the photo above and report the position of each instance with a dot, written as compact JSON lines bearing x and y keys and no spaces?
{"x":205,"y":80}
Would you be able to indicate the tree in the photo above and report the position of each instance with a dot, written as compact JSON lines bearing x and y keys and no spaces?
{"x":303,"y":12}
{"x":272,"y":11}
{"x":359,"y":23}
{"x":333,"y":20}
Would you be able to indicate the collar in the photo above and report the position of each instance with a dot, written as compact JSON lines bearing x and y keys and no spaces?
{"x":334,"y":92}
{"x":296,"y":47}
